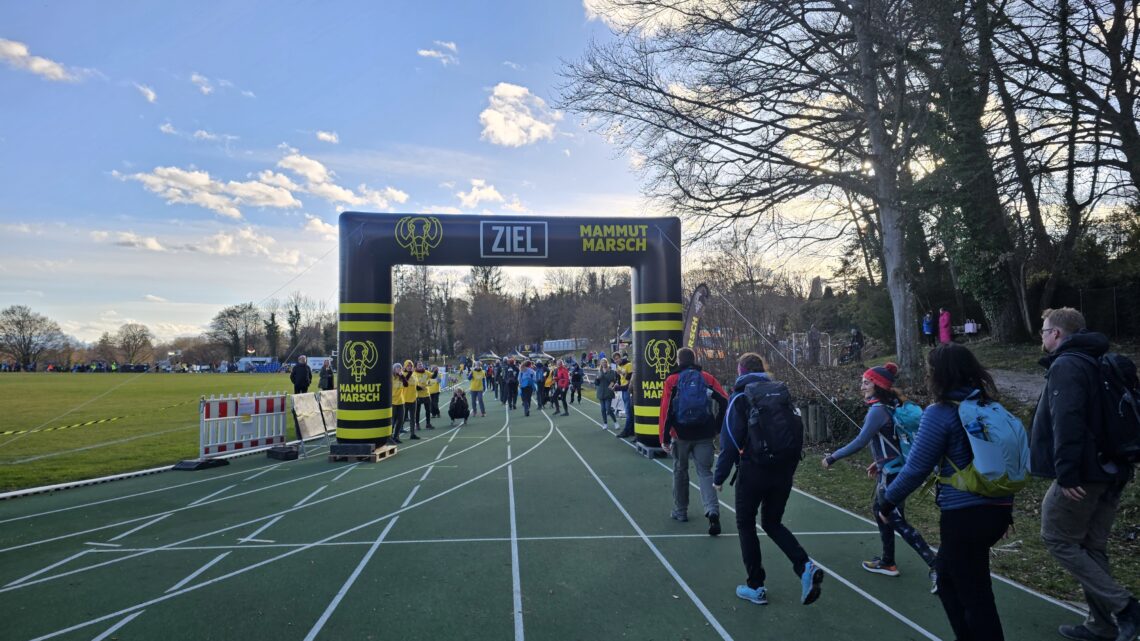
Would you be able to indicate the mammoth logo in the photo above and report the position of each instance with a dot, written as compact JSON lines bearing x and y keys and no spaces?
{"x":419,"y":234}
{"x":359,"y":357}
{"x":661,"y":355}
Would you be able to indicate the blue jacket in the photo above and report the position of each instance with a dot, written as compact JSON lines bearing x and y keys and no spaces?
{"x":940,"y":437}
{"x":734,"y":430}
{"x":878,"y":421}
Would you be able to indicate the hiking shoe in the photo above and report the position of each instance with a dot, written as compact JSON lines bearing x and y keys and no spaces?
{"x":714,"y":523}
{"x":933,"y":574}
{"x":809,"y":583}
{"x":679,"y":516}
{"x":414,"y":437}
{"x":1080,"y":633}
{"x":759,"y":596}
{"x":1128,"y":621}
{"x":877,"y":566}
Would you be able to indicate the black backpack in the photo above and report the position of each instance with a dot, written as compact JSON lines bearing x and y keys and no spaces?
{"x":1119,"y":437}
{"x":775,"y":430}
{"x":512,"y":376}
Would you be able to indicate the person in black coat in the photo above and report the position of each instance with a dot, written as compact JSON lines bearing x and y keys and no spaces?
{"x":326,"y":382}
{"x":301,"y":376}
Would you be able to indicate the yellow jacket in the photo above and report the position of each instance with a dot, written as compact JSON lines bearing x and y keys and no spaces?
{"x":410,"y":390}
{"x":433,"y":385}
{"x":421,"y":380}
{"x":477,"y":377}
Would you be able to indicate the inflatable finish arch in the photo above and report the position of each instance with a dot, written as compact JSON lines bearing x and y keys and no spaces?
{"x":370,"y":244}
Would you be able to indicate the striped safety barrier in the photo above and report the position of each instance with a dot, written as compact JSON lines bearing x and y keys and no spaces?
{"x":239,"y":423}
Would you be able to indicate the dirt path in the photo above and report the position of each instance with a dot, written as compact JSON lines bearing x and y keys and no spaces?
{"x":1022,"y":386}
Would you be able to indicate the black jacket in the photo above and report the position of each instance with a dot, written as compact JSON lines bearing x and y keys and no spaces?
{"x":301,"y":376}
{"x":326,"y":378}
{"x":1062,"y":443}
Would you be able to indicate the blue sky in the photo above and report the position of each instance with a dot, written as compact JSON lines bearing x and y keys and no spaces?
{"x":163,"y":160}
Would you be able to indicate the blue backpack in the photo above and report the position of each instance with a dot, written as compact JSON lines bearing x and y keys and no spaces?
{"x":1000,"y":446}
{"x":691,"y":400}
{"x":906,"y":419}
{"x":526,"y":379}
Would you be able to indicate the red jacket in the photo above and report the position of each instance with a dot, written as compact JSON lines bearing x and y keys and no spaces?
{"x":562,"y":377}
{"x":667,"y":396}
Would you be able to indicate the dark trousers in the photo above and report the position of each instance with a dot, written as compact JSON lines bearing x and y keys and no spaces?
{"x":397,"y":420}
{"x":435,"y":404}
{"x":899,"y":524}
{"x":576,"y":392}
{"x":410,"y":415}
{"x":963,"y":565}
{"x":512,"y":394}
{"x":560,"y":396}
{"x":425,"y":403}
{"x":765,"y":490}
{"x":526,"y":392}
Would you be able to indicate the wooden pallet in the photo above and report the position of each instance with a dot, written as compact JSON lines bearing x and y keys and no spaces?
{"x":377,"y":455}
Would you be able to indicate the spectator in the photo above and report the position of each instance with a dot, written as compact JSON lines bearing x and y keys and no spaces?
{"x":326,"y":381}
{"x":945,"y":332}
{"x":604,"y":390}
{"x":301,"y":376}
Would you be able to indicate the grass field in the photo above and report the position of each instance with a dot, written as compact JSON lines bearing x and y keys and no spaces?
{"x":147,"y":420}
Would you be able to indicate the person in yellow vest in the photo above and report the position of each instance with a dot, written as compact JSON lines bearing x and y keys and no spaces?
{"x":410,"y":397}
{"x":547,"y":386}
{"x":422,"y":380}
{"x":477,"y":377}
{"x":625,"y":375}
{"x":433,"y":390}
{"x":397,"y":401}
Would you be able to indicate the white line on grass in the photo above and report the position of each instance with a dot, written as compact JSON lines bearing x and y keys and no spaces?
{"x":348,"y":584}
{"x":210,"y":496}
{"x":120,"y":441}
{"x":656,"y":552}
{"x":111,"y":630}
{"x":195,"y":573}
{"x":132,"y":531}
{"x":311,"y":495}
{"x":284,"y":555}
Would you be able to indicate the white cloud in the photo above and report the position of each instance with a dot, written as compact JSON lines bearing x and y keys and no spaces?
{"x":202,"y":134}
{"x":441,"y":209}
{"x":516,"y":206}
{"x":480,"y":192}
{"x":17,"y":56}
{"x":513,"y":65}
{"x":147,"y":93}
{"x":193,"y":187}
{"x":636,"y":159}
{"x":202,"y":82}
{"x":151,"y":298}
{"x":20,"y":228}
{"x":168,"y":128}
{"x":516,"y":117}
{"x":442,"y":56}
{"x":318,"y":180}
{"x":566,"y":152}
{"x":248,"y":94}
{"x":248,"y":242}
{"x":646,"y":18}
{"x":321,"y":228}
{"x":128,"y":239}
{"x":328,"y":136}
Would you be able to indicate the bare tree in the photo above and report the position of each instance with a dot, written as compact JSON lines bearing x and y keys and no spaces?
{"x":25,"y":335}
{"x":135,"y":342}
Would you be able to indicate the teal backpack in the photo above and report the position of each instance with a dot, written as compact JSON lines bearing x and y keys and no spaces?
{"x":1000,"y":446}
{"x":906,"y":419}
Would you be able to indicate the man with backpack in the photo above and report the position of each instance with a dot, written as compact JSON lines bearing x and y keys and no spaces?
{"x":687,"y":424}
{"x":763,"y":436}
{"x":1071,"y":445}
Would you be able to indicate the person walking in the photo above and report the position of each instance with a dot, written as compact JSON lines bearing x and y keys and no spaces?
{"x":970,"y":524}
{"x":528,"y":384}
{"x":301,"y":376}
{"x":604,"y":390}
{"x":576,"y":377}
{"x":327,"y":373}
{"x":686,"y":425}
{"x":561,"y":386}
{"x":1080,"y":506}
{"x":877,"y":386}
{"x":764,"y":480}
{"x":477,"y":377}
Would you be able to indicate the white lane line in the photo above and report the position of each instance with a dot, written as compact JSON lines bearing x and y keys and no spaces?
{"x":48,"y":568}
{"x":516,"y":583}
{"x":656,"y":552}
{"x":427,"y":471}
{"x":284,"y":555}
{"x":103,"y":545}
{"x":264,"y":541}
{"x":410,"y":495}
{"x":306,"y":499}
{"x":440,"y":455}
{"x":210,"y":496}
{"x":348,"y":584}
{"x":195,"y":573}
{"x":863,"y":593}
{"x":111,"y":630}
{"x":261,"y":529}
{"x":132,"y":531}
{"x":341,"y":475}
{"x":268,"y":469}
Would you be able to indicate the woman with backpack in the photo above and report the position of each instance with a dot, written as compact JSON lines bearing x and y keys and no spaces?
{"x":604,"y":390}
{"x":971,"y":523}
{"x":527,"y":385}
{"x":890,"y":419}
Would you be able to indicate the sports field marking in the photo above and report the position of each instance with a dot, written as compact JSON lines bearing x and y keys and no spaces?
{"x":348,"y":584}
{"x":349,"y":469}
{"x":147,"y":524}
{"x":77,"y":407}
{"x":111,"y":630}
{"x":40,"y":571}
{"x":241,"y":494}
{"x":656,"y":552}
{"x":268,"y":469}
{"x":210,"y":496}
{"x":254,"y":566}
{"x":311,"y":495}
{"x":96,"y":446}
{"x":261,"y":529}
{"x":441,"y":451}
{"x":410,"y":495}
{"x":105,"y":545}
{"x":193,"y":575}
{"x":516,"y":582}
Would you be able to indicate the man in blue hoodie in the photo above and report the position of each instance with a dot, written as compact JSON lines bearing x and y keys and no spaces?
{"x":1080,"y":506}
{"x":760,"y":488}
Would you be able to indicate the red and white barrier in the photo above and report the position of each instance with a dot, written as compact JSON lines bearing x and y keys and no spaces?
{"x":231,"y":424}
